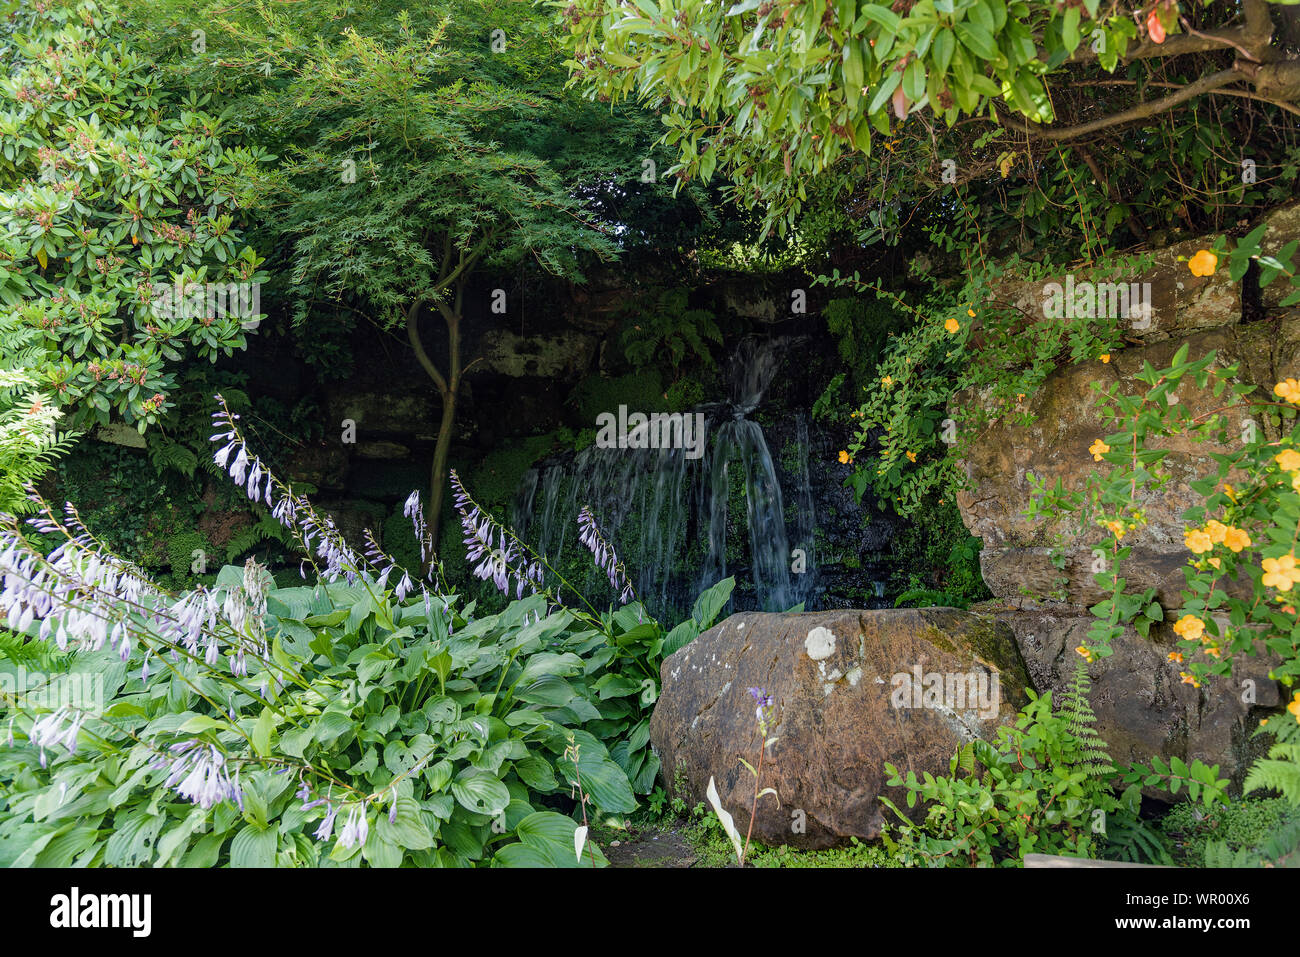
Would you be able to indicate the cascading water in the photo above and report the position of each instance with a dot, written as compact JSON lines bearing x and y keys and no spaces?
{"x":670,"y":516}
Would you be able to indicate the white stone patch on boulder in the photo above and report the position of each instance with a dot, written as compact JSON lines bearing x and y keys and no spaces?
{"x":820,"y":643}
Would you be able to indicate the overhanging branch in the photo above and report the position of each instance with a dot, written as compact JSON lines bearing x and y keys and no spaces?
{"x":1141,"y":111}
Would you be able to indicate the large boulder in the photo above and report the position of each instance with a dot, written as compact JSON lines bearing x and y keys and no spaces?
{"x":852,"y":691}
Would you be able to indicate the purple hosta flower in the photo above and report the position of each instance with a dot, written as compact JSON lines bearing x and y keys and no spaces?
{"x":355,"y":830}
{"x":51,"y":731}
{"x":499,"y":562}
{"x":415,"y":512}
{"x":239,"y":466}
{"x":198,"y":772}
{"x":327,"y":823}
{"x":762,"y":712}
{"x":605,"y":556}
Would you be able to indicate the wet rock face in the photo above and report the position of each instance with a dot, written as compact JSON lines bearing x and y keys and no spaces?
{"x":852,"y":690}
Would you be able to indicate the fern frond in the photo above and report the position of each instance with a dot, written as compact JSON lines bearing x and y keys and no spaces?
{"x":166,"y":454}
{"x":1091,"y":753}
{"x":268,"y":529}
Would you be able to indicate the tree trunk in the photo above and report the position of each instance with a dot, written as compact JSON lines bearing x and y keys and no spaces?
{"x":447,"y":388}
{"x":438,"y":474}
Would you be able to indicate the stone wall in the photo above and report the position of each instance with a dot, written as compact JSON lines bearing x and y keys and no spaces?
{"x":1041,"y":571}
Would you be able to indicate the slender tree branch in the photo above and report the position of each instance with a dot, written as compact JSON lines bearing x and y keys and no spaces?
{"x":1143,"y":110}
{"x":417,"y":345}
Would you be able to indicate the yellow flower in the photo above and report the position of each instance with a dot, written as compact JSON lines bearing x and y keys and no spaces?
{"x":1020,"y":397}
{"x":1116,"y":528}
{"x":1216,"y":530}
{"x":1215,"y":562}
{"x":1212,"y":651}
{"x":1098,"y":449}
{"x":1229,"y":491}
{"x":1197,"y":541}
{"x":1106,"y":357}
{"x":888,"y":380}
{"x":1288,"y":460}
{"x":1203,"y":263}
{"x":845,"y":458}
{"x":1294,"y":708}
{"x":1288,"y":389}
{"x":1189,"y":627}
{"x":952,"y":325}
{"x":1295,"y":481}
{"x":971,"y":313}
{"x":1175,"y":656}
{"x":1280,"y":573}
{"x":1236,"y":539}
{"x":1084,"y":652}
{"x":1189,"y":679}
{"x":911,"y":456}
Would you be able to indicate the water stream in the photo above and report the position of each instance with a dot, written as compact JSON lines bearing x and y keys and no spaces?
{"x":671,"y":517}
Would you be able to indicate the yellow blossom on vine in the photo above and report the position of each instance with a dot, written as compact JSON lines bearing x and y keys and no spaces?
{"x":1084,"y":651}
{"x":971,"y":313}
{"x":1105,"y":357}
{"x":1215,"y":562}
{"x":845,"y":458}
{"x":911,"y":456}
{"x":887,"y":381}
{"x":1216,"y":530}
{"x":952,"y":325}
{"x":1198,"y":541}
{"x":1288,"y":460}
{"x":1236,"y":539}
{"x":1281,"y":573}
{"x":1189,"y":679}
{"x":1116,"y":528}
{"x":1098,"y":449}
{"x":1294,"y":707}
{"x":1229,"y":491}
{"x":1203,"y":263}
{"x":1213,"y":651}
{"x":1288,"y":389}
{"x":1175,"y":656}
{"x":1189,"y":627}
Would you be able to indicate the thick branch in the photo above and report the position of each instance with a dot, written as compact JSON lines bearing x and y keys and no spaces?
{"x":1150,"y":108}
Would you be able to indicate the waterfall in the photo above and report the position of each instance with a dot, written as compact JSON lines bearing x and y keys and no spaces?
{"x":669,"y":516}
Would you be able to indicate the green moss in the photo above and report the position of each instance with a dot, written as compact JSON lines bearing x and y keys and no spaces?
{"x":640,"y":392}
{"x":1243,"y":825}
{"x":495,"y":479}
{"x":934,"y":551}
{"x":180,"y":553}
{"x":684,"y":394}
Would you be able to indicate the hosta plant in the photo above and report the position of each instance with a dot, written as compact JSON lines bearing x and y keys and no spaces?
{"x":366,"y":718}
